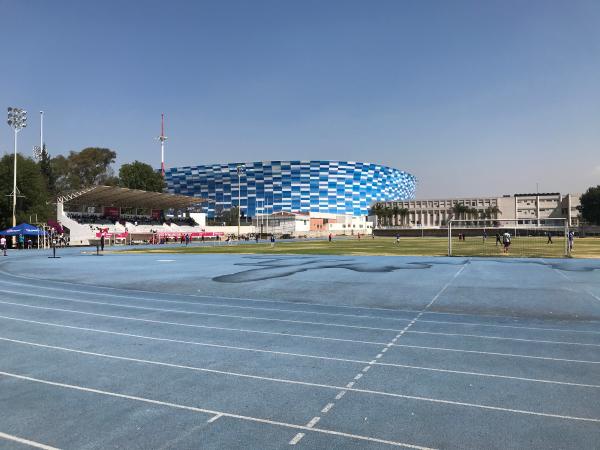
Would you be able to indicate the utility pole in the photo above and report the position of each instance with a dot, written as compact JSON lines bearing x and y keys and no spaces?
{"x":162,"y":138}
{"x":17,"y":120}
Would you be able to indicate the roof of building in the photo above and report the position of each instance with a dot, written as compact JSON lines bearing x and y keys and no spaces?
{"x":124,"y":197}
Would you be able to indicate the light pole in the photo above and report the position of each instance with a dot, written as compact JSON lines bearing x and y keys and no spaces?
{"x":17,"y":120}
{"x":240,"y":169}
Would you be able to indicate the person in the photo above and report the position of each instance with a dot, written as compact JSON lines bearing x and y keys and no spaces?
{"x":549,"y":238}
{"x":506,"y":241}
{"x":256,"y":237}
{"x":272,"y":240}
{"x":187,"y":239}
{"x":397,"y":238}
{"x":358,"y":235}
{"x":498,"y":239}
{"x":21,"y":242}
{"x":3,"y":245}
{"x":329,"y":237}
{"x":484,"y":236}
{"x":571,"y":238}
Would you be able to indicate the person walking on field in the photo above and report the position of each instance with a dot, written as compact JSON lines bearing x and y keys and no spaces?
{"x":498,"y":239}
{"x":329,"y":237}
{"x":398,"y":238}
{"x":506,"y":241}
{"x":571,"y":238}
{"x":272,"y":240}
{"x":549,"y":238}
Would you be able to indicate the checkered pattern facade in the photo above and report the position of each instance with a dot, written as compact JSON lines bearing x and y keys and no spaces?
{"x":337,"y":187}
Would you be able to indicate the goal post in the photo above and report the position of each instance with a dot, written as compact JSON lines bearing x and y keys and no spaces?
{"x":543,"y":238}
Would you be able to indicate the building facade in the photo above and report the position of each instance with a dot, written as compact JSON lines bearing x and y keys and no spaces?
{"x":527,"y":209}
{"x":267,"y":187}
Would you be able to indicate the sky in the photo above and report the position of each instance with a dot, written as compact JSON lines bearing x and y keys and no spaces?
{"x":472,"y":97}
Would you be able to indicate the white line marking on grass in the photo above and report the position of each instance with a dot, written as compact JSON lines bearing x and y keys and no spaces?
{"x":313,"y":422}
{"x":296,"y":438}
{"x":327,"y":407}
{"x":210,"y":411}
{"x":214,"y":418}
{"x":196,"y":313}
{"x":536,"y":341}
{"x":10,"y":437}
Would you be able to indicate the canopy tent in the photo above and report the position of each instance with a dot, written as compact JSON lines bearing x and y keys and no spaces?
{"x":24,"y":229}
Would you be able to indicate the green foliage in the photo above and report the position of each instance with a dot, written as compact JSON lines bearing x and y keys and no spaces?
{"x":47,"y":171}
{"x":31,"y":183}
{"x":139,"y":175}
{"x":89,"y":167}
{"x":590,"y":205}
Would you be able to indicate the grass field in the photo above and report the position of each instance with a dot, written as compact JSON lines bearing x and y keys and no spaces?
{"x":521,"y":247}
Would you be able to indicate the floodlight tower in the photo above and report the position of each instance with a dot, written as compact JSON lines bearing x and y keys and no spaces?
{"x":17,"y":120}
{"x":162,"y":138}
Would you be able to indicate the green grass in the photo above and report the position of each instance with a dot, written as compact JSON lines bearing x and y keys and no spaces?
{"x":522,"y":246}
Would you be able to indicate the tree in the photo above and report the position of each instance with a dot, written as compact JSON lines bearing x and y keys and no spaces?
{"x":590,"y":205}
{"x":89,"y":167}
{"x":403,"y":214}
{"x":139,"y":175}
{"x":33,"y":194}
{"x":47,"y":171}
{"x":395,"y":212}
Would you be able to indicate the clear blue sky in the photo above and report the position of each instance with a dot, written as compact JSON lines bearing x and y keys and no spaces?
{"x":473,"y":97}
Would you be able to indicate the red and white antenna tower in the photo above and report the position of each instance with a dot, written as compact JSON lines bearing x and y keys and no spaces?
{"x":162,"y":138}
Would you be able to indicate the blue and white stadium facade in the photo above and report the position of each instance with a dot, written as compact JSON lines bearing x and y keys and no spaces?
{"x":336,"y":187}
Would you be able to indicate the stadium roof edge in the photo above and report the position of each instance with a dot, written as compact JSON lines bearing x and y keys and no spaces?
{"x":125,"y":197}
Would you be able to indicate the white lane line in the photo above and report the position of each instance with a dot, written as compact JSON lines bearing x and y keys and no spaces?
{"x":214,"y":418}
{"x":313,"y":422}
{"x":514,"y":327}
{"x":247,"y":299}
{"x":196,"y":313}
{"x":340,"y":395}
{"x":180,"y":324}
{"x":385,"y":349}
{"x":165,"y":260}
{"x":241,"y":330}
{"x":349,"y":386}
{"x":535,"y":341}
{"x":358,"y":377}
{"x":210,"y":411}
{"x":510,"y":355}
{"x":366,"y":369}
{"x":585,"y":289}
{"x":296,"y":438}
{"x":327,"y":407}
{"x":10,"y":437}
{"x":196,"y":303}
{"x":379,"y":355}
{"x":442,"y":290}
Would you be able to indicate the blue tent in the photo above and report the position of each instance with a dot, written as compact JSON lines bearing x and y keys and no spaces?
{"x":24,"y":229}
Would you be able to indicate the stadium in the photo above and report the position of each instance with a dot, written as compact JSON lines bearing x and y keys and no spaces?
{"x":333,"y":187}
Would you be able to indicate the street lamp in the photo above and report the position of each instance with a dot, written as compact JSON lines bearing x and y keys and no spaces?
{"x":240,"y":169}
{"x":17,"y":120}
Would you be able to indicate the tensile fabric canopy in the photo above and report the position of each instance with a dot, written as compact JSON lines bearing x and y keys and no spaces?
{"x":24,"y":229}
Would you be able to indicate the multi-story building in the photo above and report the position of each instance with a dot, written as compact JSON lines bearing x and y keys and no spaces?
{"x":528,"y":209}
{"x":267,"y":187}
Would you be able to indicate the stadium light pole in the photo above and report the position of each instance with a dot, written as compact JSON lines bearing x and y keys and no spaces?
{"x":17,"y":120}
{"x":240,"y":169}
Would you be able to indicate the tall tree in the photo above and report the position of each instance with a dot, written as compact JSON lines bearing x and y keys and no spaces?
{"x":139,"y":175}
{"x":590,"y":205}
{"x":47,"y":171}
{"x":89,"y":167}
{"x":33,"y":195}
